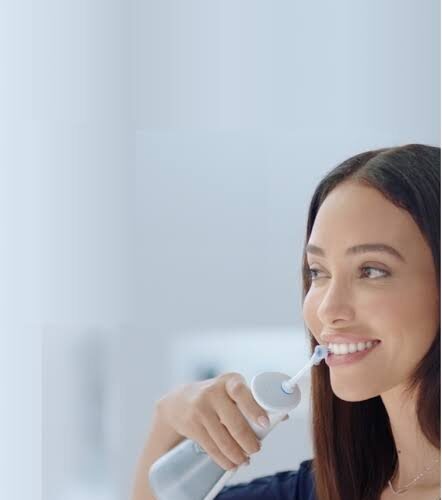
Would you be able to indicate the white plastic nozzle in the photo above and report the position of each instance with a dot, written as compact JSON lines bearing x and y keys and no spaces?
{"x":320,"y":353}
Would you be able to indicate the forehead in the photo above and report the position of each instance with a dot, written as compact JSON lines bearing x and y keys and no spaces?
{"x":354,"y":213}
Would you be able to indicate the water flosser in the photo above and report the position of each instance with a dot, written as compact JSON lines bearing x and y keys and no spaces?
{"x":186,"y":472}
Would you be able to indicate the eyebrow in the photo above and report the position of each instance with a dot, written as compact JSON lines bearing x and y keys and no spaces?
{"x":358,"y":249}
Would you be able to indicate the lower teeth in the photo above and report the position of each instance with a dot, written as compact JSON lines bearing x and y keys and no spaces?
{"x":343,"y":354}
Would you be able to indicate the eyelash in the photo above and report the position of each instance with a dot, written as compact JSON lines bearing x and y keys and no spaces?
{"x":385,"y":273}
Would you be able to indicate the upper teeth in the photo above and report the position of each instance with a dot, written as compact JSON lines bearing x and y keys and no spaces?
{"x":350,"y":348}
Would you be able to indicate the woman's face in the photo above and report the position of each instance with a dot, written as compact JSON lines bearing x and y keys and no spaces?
{"x":370,"y":294}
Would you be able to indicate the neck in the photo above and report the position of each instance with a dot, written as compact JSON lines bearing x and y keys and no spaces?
{"x":415,"y":452}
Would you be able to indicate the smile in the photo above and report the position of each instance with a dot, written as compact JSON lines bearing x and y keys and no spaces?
{"x":340,"y":349}
{"x":341,"y":354}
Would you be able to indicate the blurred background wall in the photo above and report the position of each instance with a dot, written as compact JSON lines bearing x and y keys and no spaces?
{"x":164,"y":157}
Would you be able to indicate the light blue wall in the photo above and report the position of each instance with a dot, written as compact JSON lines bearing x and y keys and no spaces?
{"x":157,"y":159}
{"x":240,"y":108}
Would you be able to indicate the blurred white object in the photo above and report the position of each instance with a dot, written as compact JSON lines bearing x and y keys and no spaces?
{"x":76,"y":415}
{"x":89,"y":491}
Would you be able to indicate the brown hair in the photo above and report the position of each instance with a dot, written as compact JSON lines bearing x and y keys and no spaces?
{"x":354,"y":449}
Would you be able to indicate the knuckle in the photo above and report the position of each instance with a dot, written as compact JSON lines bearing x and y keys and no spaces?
{"x":237,"y":387}
{"x":247,"y":438}
{"x":230,"y":448}
{"x":242,"y":429}
{"x":200,"y":400}
{"x":219,"y":458}
{"x":228,"y":464}
{"x":238,"y":460}
{"x":221,"y":463}
{"x":242,"y":459}
{"x":211,"y":449}
{"x":231,"y":376}
{"x":225,"y":463}
{"x":196,"y":413}
{"x":255,"y":446}
{"x":212,"y":390}
{"x":234,"y":453}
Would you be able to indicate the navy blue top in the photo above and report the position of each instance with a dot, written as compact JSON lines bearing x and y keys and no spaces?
{"x":288,"y":485}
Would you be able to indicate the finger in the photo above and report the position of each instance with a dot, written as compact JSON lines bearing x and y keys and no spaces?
{"x":223,"y":439}
{"x":237,"y":426}
{"x":206,"y":442}
{"x":239,"y":392}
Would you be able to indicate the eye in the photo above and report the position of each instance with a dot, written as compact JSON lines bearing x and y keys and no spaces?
{"x":383,"y":273}
{"x":313,"y":273}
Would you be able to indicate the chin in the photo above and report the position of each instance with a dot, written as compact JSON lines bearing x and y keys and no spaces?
{"x":353,"y":393}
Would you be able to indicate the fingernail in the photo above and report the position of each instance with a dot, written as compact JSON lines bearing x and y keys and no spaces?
{"x":263,"y":422}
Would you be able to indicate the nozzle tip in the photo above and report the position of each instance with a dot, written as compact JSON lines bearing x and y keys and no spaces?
{"x":320,"y":353}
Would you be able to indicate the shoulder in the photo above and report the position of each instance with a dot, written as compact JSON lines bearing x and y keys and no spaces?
{"x":286,"y":485}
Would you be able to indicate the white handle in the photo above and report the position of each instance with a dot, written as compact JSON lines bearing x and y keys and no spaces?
{"x":274,"y":419}
{"x":267,"y":392}
{"x":220,"y":484}
{"x":261,"y":433}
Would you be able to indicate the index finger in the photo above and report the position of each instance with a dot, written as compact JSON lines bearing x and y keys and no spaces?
{"x":238,"y":390}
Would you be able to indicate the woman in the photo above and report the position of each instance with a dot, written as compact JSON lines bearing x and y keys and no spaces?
{"x":371,"y":275}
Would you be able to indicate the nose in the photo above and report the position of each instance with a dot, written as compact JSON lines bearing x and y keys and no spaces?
{"x":336,"y":305}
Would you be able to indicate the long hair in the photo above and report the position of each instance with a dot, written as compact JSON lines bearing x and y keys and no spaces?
{"x":354,"y":449}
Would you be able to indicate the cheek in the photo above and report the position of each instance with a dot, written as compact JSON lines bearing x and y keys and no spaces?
{"x":311,"y":303}
{"x":412,"y":316}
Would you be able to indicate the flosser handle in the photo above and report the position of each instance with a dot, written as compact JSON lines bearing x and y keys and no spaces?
{"x":274,"y":419}
{"x":261,"y":433}
{"x":267,"y":391}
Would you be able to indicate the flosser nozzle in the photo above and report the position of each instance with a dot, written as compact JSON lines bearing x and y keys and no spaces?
{"x":320,"y":353}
